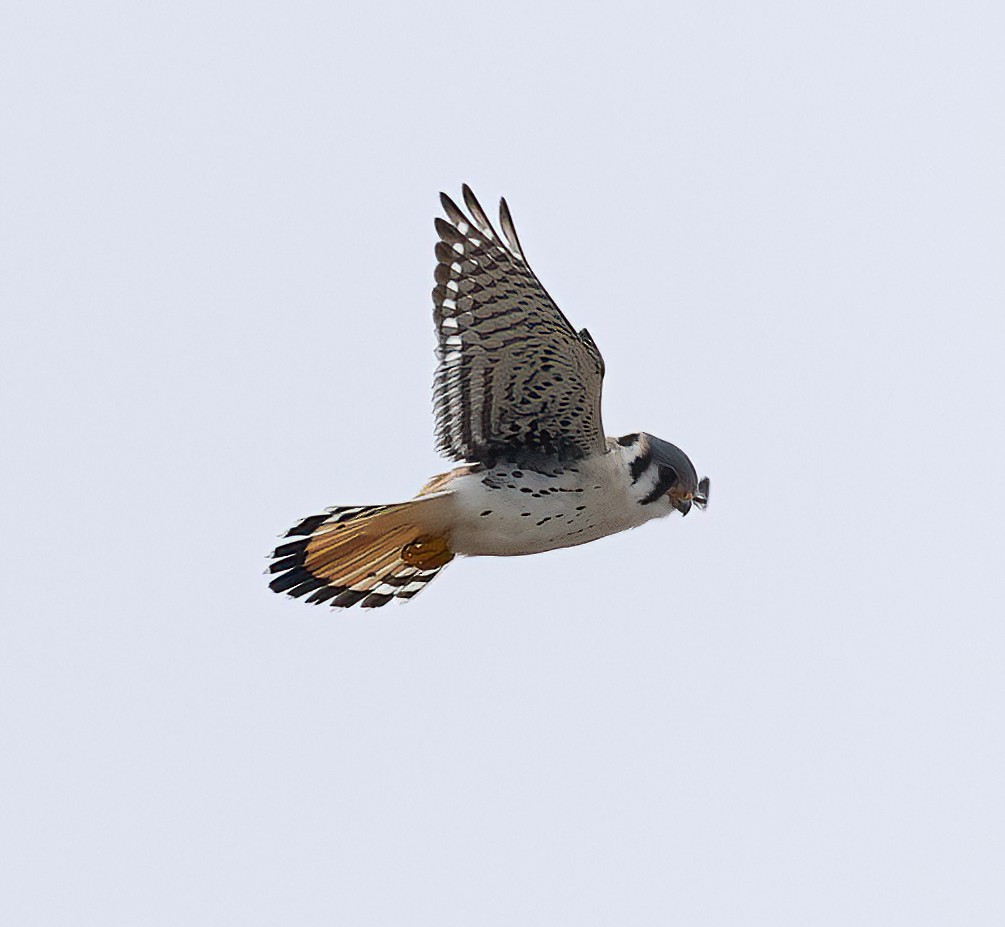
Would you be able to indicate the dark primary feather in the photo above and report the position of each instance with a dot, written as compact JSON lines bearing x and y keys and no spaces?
{"x":477,"y":213}
{"x":509,"y":229}
{"x":514,"y":377}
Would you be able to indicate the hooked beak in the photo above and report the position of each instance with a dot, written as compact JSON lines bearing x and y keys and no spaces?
{"x":699,"y":498}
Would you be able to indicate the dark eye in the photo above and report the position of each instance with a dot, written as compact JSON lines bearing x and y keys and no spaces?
{"x":628,"y":440}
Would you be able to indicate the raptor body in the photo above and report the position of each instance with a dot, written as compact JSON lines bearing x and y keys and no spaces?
{"x":517,"y":398}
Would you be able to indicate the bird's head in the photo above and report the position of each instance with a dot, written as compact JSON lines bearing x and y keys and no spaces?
{"x":659,"y":469}
{"x":677,"y":473}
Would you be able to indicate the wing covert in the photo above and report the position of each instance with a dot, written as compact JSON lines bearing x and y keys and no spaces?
{"x":514,"y":377}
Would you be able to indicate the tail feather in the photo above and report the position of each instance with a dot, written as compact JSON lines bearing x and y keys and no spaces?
{"x":367,"y":554}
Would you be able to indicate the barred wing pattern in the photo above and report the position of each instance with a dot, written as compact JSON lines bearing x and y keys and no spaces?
{"x":514,"y":380}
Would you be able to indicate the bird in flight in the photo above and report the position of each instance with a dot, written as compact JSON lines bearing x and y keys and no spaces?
{"x":517,"y":403}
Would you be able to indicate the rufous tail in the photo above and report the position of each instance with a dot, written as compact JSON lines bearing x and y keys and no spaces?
{"x":368,"y":554}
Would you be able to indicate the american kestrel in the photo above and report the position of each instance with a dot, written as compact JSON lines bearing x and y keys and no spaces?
{"x":517,"y":396}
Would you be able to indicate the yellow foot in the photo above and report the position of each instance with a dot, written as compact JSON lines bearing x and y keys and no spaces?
{"x":427,"y":552}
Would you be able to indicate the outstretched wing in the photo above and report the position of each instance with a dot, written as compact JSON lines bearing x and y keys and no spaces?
{"x":514,"y":377}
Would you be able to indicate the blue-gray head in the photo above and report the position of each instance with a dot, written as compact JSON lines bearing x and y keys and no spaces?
{"x":663,"y":469}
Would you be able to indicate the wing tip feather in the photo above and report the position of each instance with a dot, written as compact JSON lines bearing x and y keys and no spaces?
{"x":509,"y":229}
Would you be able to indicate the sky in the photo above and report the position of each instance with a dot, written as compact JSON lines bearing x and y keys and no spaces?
{"x":783,"y":224}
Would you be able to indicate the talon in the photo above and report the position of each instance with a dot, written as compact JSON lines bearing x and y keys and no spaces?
{"x":427,"y":552}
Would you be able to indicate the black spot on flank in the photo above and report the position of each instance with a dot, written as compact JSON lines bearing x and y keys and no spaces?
{"x":518,"y":474}
{"x":526,"y":489}
{"x":543,"y":520}
{"x":628,"y":440}
{"x":486,"y":512}
{"x":525,"y":514}
{"x":579,"y":508}
{"x":640,"y":464}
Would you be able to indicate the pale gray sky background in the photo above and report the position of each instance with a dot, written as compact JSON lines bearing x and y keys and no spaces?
{"x":784,"y":225}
